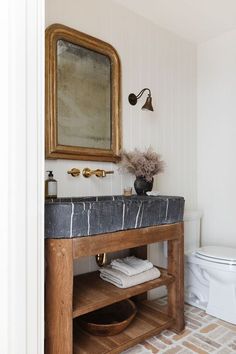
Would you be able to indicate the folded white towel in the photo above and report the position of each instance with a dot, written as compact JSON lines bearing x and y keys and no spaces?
{"x":131,"y":265}
{"x":122,"y":280}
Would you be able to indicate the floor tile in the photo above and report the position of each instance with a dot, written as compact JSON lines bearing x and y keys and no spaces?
{"x":204,"y":334}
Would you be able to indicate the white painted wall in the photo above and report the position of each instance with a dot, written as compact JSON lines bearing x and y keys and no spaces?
{"x":22,"y":195}
{"x":216,"y":139}
{"x":150,"y":57}
{"x":4,"y":180}
{"x":194,"y":20}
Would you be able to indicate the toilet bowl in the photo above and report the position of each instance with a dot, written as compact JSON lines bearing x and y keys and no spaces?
{"x":210,"y":281}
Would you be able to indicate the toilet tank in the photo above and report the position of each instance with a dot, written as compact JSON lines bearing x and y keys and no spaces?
{"x":192,"y":230}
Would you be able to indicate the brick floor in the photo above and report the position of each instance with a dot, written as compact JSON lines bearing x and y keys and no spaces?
{"x":203,"y":334}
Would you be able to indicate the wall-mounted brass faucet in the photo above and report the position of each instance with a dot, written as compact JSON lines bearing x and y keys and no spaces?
{"x":87,"y":172}
{"x":74,"y":172}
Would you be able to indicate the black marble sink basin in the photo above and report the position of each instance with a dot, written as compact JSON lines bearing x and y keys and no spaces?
{"x":87,"y":216}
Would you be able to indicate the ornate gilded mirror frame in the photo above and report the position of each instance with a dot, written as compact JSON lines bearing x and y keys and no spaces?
{"x":55,"y":149}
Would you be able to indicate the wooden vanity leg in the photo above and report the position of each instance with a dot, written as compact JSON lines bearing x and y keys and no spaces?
{"x":176,"y":289}
{"x":59,"y":295}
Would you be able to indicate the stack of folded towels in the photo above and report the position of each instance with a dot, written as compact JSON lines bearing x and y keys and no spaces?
{"x":129,"y":271}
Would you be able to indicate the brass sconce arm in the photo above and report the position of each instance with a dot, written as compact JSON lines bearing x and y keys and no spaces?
{"x":134,"y":98}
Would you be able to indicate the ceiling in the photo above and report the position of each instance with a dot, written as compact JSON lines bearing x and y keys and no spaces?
{"x":194,"y":20}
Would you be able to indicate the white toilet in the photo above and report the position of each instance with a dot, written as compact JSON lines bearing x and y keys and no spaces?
{"x":210,"y":273}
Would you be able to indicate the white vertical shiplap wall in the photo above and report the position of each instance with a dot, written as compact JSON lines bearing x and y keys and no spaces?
{"x":150,"y":57}
{"x":216,"y":139}
{"x":23,"y":129}
{"x":4,"y":179}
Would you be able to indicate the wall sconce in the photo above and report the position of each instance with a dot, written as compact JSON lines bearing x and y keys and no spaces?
{"x":147,"y":105}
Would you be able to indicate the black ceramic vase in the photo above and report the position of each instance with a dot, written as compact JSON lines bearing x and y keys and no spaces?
{"x":142,"y":186}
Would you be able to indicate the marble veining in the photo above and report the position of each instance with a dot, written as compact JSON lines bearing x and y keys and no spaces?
{"x":136,"y":221}
{"x":71,"y":218}
{"x":123,"y":217}
{"x":89,"y":211}
{"x":88,"y":216}
{"x":167,"y":206}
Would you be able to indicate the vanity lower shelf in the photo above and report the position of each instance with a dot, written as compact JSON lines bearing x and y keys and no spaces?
{"x":149,"y":321}
{"x":92,"y":293}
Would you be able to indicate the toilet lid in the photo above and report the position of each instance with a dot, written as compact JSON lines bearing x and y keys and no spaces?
{"x":217,"y":254}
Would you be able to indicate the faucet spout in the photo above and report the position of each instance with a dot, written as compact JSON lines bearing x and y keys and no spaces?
{"x":102,"y":173}
{"x":87,"y":172}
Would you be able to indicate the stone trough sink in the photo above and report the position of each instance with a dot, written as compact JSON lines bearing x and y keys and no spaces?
{"x":88,"y":216}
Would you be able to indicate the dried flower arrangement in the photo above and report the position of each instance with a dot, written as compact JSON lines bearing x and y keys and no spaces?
{"x":142,"y":164}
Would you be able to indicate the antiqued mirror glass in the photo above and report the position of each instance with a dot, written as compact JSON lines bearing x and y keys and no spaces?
{"x":82,"y":96}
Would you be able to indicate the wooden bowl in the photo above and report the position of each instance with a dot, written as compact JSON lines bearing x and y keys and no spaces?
{"x":109,"y":320}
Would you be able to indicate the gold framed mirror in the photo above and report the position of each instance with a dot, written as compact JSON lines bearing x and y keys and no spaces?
{"x":82,"y":97}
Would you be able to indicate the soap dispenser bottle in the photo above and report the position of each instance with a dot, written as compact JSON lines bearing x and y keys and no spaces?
{"x":50,"y":186}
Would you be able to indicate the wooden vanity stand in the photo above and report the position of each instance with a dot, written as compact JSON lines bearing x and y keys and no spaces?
{"x":68,"y":296}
